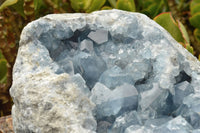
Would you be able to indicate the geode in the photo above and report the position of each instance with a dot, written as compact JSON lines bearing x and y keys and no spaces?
{"x":109,"y":71}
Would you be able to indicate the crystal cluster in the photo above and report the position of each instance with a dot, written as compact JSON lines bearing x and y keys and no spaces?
{"x":116,"y":72}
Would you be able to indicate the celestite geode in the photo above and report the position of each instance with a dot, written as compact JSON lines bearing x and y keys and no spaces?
{"x":106,"y":72}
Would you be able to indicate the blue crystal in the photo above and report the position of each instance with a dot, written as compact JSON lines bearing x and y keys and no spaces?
{"x":113,"y":102}
{"x":196,"y":131}
{"x":138,"y":129}
{"x":152,"y":123}
{"x":182,"y":90}
{"x":99,"y":36}
{"x":125,"y":120}
{"x":89,"y":66}
{"x":176,"y":125}
{"x":158,"y":99}
{"x":80,"y":83}
{"x":190,"y":110}
{"x":114,"y":77}
{"x":86,"y":45}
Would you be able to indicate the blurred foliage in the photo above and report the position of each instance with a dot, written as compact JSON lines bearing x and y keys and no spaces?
{"x":181,"y":18}
{"x":127,"y":5}
{"x":152,"y":7}
{"x":7,"y":3}
{"x":195,"y":22}
{"x":3,"y":67}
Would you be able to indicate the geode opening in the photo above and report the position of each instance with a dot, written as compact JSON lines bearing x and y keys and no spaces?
{"x":105,"y":61}
{"x":134,"y":74}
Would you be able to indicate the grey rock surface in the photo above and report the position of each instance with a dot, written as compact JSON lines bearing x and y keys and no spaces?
{"x":108,"y":71}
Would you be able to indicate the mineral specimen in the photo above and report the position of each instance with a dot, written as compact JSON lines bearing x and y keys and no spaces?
{"x":109,"y":71}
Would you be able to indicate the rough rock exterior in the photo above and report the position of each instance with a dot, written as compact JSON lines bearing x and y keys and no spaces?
{"x":109,"y":71}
